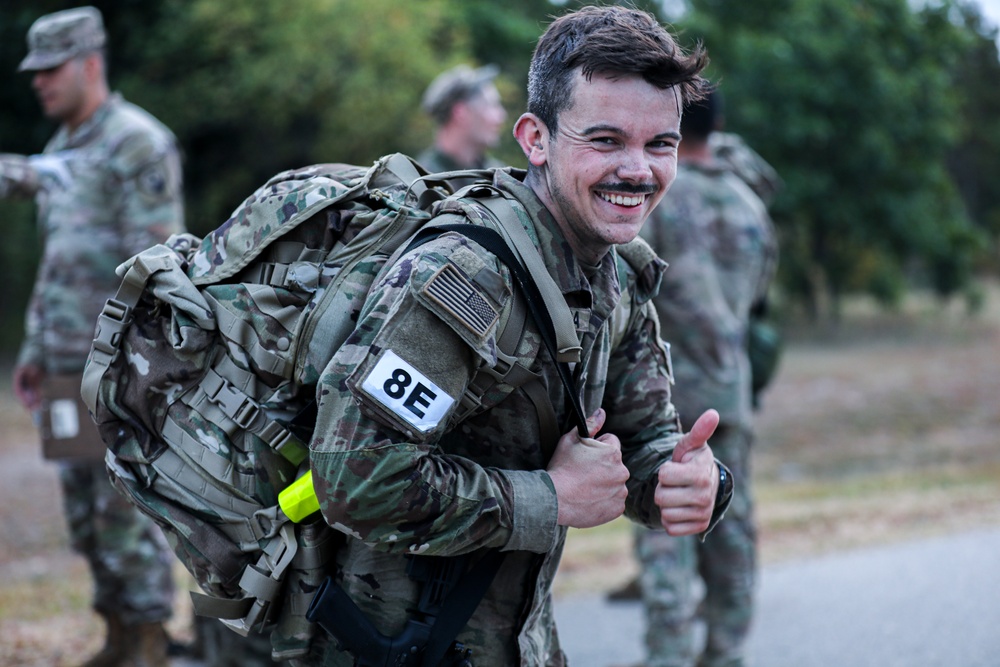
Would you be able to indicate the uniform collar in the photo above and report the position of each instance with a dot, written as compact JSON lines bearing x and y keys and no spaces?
{"x":597,"y":289}
{"x":84,"y":133}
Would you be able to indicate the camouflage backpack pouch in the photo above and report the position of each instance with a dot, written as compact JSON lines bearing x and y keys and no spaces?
{"x":202,"y":376}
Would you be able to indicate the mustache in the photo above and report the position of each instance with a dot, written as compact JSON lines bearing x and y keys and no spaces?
{"x":624,"y":188}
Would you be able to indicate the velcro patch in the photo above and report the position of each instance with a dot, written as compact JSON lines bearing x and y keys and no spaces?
{"x":452,"y":291}
{"x":406,"y":392}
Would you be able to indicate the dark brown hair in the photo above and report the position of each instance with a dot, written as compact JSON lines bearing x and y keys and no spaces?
{"x":611,"y":41}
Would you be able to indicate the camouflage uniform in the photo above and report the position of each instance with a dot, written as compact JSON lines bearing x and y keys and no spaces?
{"x":105,"y":191}
{"x":221,"y":647}
{"x":433,"y":487}
{"x":737,"y":156}
{"x":721,"y":249}
{"x":434,"y":160}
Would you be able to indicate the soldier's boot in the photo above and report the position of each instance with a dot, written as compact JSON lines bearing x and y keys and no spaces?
{"x":114,"y":644}
{"x":146,"y":647}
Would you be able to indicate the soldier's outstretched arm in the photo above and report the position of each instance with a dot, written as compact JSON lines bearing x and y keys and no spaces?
{"x":589,"y":476}
{"x":18,"y":178}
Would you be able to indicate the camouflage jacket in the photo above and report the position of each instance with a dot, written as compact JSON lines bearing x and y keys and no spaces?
{"x":105,"y":192}
{"x":401,"y":483}
{"x":736,"y":155}
{"x":720,"y":245}
{"x":435,"y":161}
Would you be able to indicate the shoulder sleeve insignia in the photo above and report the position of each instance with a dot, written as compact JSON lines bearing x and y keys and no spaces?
{"x":404,"y":391}
{"x":456,"y":295}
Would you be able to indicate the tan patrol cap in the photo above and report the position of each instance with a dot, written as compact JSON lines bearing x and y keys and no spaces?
{"x":55,"y":38}
{"x":454,"y":85}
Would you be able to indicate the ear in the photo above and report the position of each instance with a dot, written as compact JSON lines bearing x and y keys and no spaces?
{"x":533,"y":137}
{"x":93,"y":66}
{"x":459,"y":111}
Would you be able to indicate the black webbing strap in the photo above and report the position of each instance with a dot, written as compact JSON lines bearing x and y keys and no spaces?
{"x":459,"y":605}
{"x":492,"y":241}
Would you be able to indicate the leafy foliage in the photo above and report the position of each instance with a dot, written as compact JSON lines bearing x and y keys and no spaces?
{"x":880,"y":118}
{"x":256,"y":86}
{"x":854,"y":103}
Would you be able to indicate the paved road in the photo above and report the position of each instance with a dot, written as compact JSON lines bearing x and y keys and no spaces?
{"x":932,"y":603}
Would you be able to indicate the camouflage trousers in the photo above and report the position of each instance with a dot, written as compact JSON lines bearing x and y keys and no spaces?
{"x":685,"y":581}
{"x":128,"y":556}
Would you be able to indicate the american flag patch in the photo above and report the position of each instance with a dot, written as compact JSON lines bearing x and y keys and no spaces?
{"x":451,"y":290}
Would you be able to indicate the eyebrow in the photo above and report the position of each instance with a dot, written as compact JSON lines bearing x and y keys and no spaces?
{"x":617,"y":130}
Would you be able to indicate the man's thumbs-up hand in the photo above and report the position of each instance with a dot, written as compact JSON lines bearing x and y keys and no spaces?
{"x":688,"y":482}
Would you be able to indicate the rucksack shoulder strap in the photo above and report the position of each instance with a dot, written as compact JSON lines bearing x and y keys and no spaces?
{"x":567,"y":340}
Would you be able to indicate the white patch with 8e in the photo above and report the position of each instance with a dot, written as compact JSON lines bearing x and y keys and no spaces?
{"x":407,"y":392}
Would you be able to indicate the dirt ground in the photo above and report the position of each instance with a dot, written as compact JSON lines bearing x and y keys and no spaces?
{"x":881,"y":429}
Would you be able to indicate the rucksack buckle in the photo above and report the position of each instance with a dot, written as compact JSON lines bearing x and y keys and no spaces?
{"x":284,"y":442}
{"x":111,"y":323}
{"x":236,"y":405}
{"x":501,"y":369}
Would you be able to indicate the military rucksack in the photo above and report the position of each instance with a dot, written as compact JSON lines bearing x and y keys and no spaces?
{"x":202,"y":373}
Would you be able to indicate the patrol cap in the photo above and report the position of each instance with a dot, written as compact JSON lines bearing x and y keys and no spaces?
{"x":56,"y":38}
{"x":454,"y":85}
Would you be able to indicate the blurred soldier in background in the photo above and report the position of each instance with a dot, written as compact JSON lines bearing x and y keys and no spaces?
{"x":764,"y":341}
{"x":465,"y":106}
{"x":107,"y":186}
{"x":735,"y":154}
{"x":718,"y":240}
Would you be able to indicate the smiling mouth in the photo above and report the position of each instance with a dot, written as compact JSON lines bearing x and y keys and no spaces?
{"x":622,"y":200}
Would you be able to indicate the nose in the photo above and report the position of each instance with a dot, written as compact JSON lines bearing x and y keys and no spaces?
{"x":39,"y":79}
{"x":635,"y":167}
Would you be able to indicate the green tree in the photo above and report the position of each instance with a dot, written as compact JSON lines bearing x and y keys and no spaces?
{"x":259,"y":86}
{"x":251,"y":87}
{"x":852,"y":102}
{"x":975,"y":159}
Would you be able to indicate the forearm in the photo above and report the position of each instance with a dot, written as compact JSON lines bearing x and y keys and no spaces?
{"x":410,"y":497}
{"x":389,"y":466}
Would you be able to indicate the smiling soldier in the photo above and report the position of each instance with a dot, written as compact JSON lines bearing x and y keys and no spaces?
{"x":403,"y":466}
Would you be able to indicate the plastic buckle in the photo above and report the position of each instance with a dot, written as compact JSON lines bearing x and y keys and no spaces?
{"x":284,"y":442}
{"x":237,"y":406}
{"x":266,"y":273}
{"x":111,"y":322}
{"x":502,"y":368}
{"x":246,"y":413}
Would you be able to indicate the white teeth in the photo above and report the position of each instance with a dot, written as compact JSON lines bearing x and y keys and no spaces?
{"x":622,"y":200}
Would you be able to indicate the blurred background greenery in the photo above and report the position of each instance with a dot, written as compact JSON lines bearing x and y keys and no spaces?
{"x":880,"y":115}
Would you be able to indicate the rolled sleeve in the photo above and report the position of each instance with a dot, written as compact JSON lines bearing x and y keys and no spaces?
{"x":536,"y":510}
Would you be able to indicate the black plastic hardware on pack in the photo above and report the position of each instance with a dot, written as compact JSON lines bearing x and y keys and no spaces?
{"x":447,"y":602}
{"x":449,"y":596}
